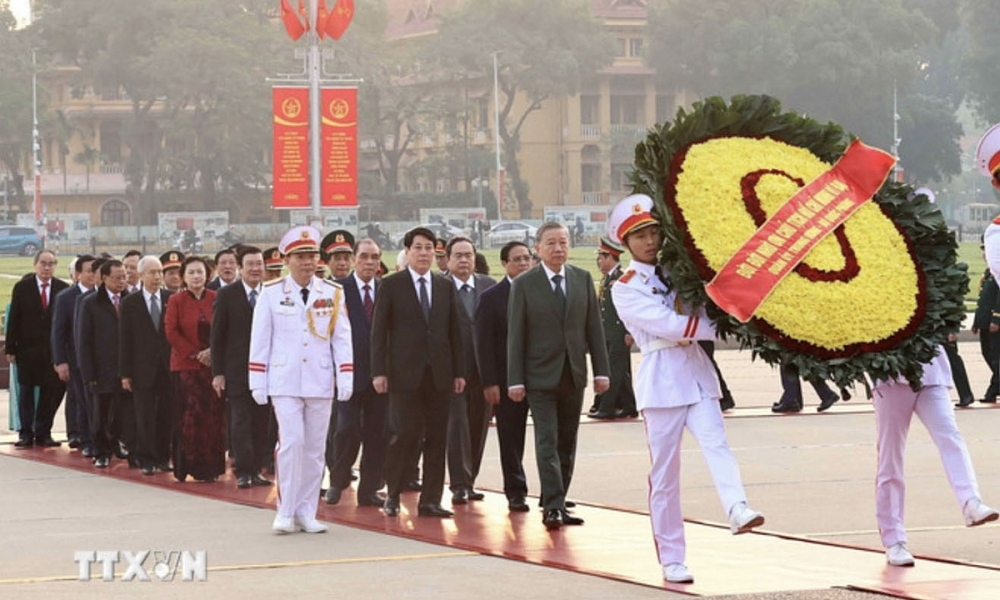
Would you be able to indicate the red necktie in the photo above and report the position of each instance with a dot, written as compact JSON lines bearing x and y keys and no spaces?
{"x":369,"y":305}
{"x":114,"y":300}
{"x":45,"y":296}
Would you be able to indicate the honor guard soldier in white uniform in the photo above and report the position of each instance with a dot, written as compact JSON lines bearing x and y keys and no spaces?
{"x":895,"y":404}
{"x":300,"y":344}
{"x":988,"y":162}
{"x":676,"y":386}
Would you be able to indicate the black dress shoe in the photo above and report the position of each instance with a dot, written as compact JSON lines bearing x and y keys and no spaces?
{"x":828,"y":402}
{"x":243,"y":482}
{"x":332,"y":495}
{"x":88,"y":452}
{"x":844,"y":394}
{"x":553,"y":519}
{"x":727,"y":404}
{"x":459,"y":497}
{"x":74,"y":443}
{"x":24,"y":443}
{"x":375,"y":499}
{"x":120,"y":451}
{"x":989,"y":400}
{"x":47,"y":443}
{"x":626,"y":414}
{"x":434,"y":510}
{"x":569,"y":504}
{"x":259,"y":480}
{"x":474,"y":495}
{"x":101,"y":462}
{"x":601,"y":415}
{"x":569,"y":519}
{"x":965,"y":402}
{"x":781,"y":407}
{"x":414,"y":485}
{"x":148,"y":470}
{"x":517,"y":505}
{"x":391,"y":507}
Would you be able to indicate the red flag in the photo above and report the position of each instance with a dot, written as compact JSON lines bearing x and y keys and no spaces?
{"x":321,"y":18}
{"x":304,"y":12}
{"x":340,"y":18}
{"x":293,"y":25}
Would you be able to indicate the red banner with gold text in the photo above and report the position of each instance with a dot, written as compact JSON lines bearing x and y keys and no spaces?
{"x":290,"y":147}
{"x":339,"y":150}
{"x":785,"y":239}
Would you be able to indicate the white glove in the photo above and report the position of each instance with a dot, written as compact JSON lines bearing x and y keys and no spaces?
{"x":344,"y":393}
{"x":259,"y":396}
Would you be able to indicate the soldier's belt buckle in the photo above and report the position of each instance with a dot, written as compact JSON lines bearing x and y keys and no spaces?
{"x":684,"y":343}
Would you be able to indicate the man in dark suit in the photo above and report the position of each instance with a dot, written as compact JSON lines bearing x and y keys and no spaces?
{"x":362,"y":420}
{"x":491,"y":351}
{"x":64,"y":355}
{"x":986,"y":324}
{"x":29,"y":343}
{"x":469,"y":415}
{"x":553,"y":322}
{"x":113,"y":416}
{"x":144,"y":365}
{"x":416,"y":358}
{"x":619,"y":400}
{"x":226,"y":267}
{"x":232,"y":318}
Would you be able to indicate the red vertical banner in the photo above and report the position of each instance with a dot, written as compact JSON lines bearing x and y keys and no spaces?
{"x":339,"y":149}
{"x":290,"y":147}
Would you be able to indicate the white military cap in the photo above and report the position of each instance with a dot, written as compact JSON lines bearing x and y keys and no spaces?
{"x":302,"y":238}
{"x":631,"y":213}
{"x":988,"y":152}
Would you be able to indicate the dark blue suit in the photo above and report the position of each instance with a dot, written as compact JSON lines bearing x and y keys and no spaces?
{"x":362,"y":420}
{"x":491,"y":350}
{"x":64,"y":352}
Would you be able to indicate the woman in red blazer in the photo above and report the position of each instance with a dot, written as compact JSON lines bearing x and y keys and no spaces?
{"x":200,"y":450}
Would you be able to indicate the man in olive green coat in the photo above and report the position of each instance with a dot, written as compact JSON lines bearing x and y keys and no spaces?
{"x":553,"y":322}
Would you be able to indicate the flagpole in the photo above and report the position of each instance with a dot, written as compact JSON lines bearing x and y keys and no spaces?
{"x":314,"y":111}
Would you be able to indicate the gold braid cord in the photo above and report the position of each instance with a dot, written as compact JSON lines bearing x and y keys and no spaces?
{"x":333,"y":318}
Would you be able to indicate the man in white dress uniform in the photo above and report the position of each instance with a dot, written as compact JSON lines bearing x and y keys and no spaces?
{"x":895,"y":404}
{"x":300,"y":344}
{"x":676,"y":386}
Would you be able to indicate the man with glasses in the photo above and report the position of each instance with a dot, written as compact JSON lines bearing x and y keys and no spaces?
{"x":491,"y":349}
{"x":29,"y":344}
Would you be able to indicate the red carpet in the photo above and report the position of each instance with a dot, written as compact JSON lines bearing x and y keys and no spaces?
{"x":614,"y":543}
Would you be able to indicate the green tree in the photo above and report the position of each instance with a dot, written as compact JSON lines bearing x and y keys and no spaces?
{"x":15,"y":102}
{"x":546,"y":49}
{"x":981,"y":68}
{"x":834,"y":60}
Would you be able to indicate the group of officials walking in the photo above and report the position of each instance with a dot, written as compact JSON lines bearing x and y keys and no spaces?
{"x":407,"y":366}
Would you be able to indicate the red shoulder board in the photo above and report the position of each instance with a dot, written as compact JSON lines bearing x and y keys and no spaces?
{"x":996,"y":220}
{"x":630,"y":273}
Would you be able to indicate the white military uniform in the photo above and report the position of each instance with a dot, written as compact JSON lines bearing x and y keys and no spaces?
{"x":676,"y":387}
{"x":988,"y":162}
{"x":297,"y":351}
{"x":895,"y":403}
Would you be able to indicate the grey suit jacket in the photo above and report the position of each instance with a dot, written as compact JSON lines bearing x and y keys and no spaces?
{"x":540,"y":339}
{"x":468,"y":324}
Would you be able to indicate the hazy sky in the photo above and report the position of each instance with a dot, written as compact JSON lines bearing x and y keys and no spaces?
{"x":20,"y":10}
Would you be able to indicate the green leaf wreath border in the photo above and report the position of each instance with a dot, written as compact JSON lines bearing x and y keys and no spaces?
{"x":932,"y":245}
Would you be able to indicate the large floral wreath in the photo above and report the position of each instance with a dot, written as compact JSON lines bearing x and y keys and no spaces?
{"x":875,"y":297}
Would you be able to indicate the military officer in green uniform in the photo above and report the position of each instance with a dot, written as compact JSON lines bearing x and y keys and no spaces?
{"x":619,"y":400}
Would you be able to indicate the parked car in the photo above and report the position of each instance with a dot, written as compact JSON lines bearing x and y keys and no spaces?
{"x":443,"y":231}
{"x":509,"y":231}
{"x":20,"y":240}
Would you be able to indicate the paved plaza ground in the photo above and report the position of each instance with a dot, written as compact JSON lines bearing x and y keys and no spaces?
{"x":812,"y":475}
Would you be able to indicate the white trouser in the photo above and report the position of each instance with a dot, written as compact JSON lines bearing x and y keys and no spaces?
{"x":894,"y":408}
{"x":302,"y":426}
{"x":664,"y":432}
